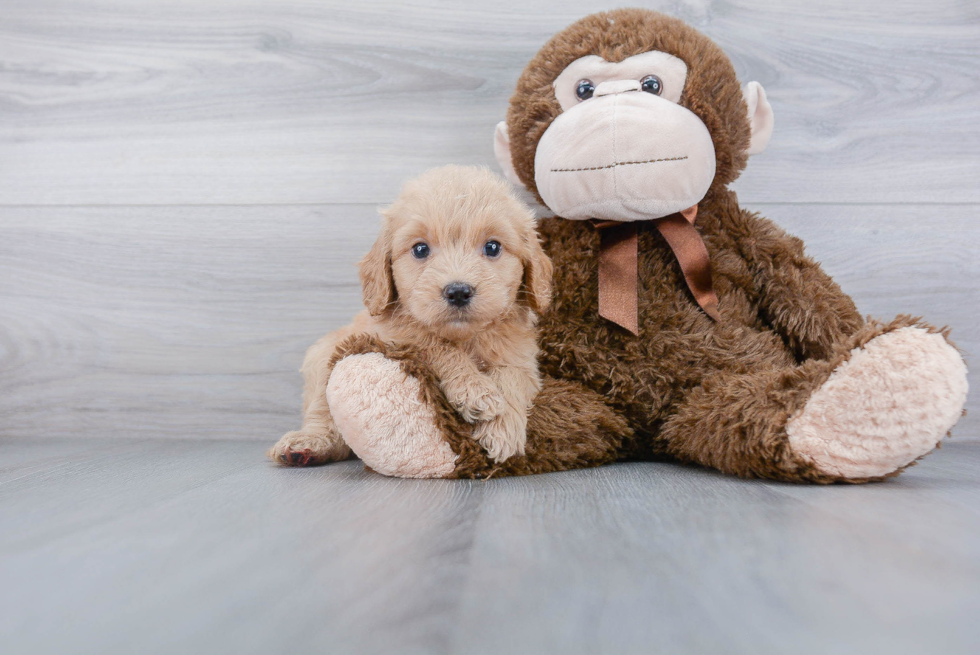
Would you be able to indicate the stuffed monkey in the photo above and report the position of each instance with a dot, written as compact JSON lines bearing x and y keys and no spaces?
{"x":683,"y":326}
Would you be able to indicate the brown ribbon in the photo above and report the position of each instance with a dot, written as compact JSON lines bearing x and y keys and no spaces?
{"x":618,"y":266}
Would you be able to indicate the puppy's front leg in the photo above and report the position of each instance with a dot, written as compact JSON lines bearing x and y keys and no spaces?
{"x":505,"y":435}
{"x":318,"y":441}
{"x":470,"y":391}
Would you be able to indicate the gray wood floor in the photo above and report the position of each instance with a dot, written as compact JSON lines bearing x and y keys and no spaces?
{"x":184,"y":189}
{"x":190,"y":546}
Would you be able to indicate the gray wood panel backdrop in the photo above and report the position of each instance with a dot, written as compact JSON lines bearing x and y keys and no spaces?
{"x":185,"y":186}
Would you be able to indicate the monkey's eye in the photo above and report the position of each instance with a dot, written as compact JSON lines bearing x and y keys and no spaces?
{"x":584,"y":89}
{"x":491,"y":249}
{"x":652,"y":84}
{"x":420,"y":250}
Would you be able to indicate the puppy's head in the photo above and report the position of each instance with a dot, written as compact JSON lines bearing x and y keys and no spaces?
{"x":457,"y":251}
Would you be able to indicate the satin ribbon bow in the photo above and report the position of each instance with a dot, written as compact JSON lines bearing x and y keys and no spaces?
{"x":618,"y":266}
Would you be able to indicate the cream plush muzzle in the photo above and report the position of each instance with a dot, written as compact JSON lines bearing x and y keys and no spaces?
{"x":624,"y":155}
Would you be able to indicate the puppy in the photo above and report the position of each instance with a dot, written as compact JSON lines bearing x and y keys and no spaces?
{"x":458,"y":274}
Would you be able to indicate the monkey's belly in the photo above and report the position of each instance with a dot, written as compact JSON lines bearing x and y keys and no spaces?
{"x":643,"y":375}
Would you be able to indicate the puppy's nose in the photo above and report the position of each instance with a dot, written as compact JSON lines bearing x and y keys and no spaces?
{"x":458,"y":294}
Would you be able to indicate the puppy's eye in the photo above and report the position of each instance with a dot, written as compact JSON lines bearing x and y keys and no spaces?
{"x":652,"y":84}
{"x":584,"y":89}
{"x":420,"y":250}
{"x":491,"y":249}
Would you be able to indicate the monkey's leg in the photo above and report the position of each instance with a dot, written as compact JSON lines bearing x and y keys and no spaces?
{"x":390,"y":410}
{"x":885,"y":398}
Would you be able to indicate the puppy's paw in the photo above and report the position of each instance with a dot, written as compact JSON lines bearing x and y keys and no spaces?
{"x":299,"y":448}
{"x":502,"y":436}
{"x":476,"y":399}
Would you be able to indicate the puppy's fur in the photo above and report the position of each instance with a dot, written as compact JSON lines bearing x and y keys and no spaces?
{"x":484,"y":353}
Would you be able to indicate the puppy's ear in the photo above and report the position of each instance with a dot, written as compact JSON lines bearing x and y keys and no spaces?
{"x":377,"y":281}
{"x":537,"y":276}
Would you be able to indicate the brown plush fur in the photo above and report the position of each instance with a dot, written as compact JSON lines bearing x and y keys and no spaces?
{"x":483,"y":356}
{"x":718,"y":394}
{"x":779,"y":309}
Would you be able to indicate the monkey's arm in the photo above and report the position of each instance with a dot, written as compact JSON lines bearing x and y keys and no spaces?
{"x":471,"y":392}
{"x":795,"y":295}
{"x":569,"y":426}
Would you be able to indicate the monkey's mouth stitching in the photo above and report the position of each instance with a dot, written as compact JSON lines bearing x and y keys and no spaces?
{"x":619,"y":163}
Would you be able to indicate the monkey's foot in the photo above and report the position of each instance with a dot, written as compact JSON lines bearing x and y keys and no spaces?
{"x":379,"y":412}
{"x":890,"y":403}
{"x":302,"y":448}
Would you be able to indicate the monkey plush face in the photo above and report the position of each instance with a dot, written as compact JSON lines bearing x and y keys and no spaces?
{"x":622,"y":147}
{"x":629,"y":115}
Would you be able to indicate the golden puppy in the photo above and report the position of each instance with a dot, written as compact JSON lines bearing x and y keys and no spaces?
{"x":458,"y":274}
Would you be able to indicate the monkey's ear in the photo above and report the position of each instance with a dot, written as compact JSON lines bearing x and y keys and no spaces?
{"x":760,"y":117}
{"x":537,"y":276}
{"x":501,"y":150}
{"x":377,"y":281}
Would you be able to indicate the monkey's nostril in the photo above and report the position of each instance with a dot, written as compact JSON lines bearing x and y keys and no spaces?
{"x":458,"y":294}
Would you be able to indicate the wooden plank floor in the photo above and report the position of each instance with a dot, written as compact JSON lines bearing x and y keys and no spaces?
{"x":190,"y":546}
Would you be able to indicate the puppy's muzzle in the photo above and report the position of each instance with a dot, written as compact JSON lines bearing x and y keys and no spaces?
{"x":458,"y":294}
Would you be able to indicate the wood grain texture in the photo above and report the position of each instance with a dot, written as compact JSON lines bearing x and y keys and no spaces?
{"x":242,"y":102}
{"x":157,"y":546}
{"x":192,"y":321}
{"x":169,"y":321}
{"x":186,"y":188}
